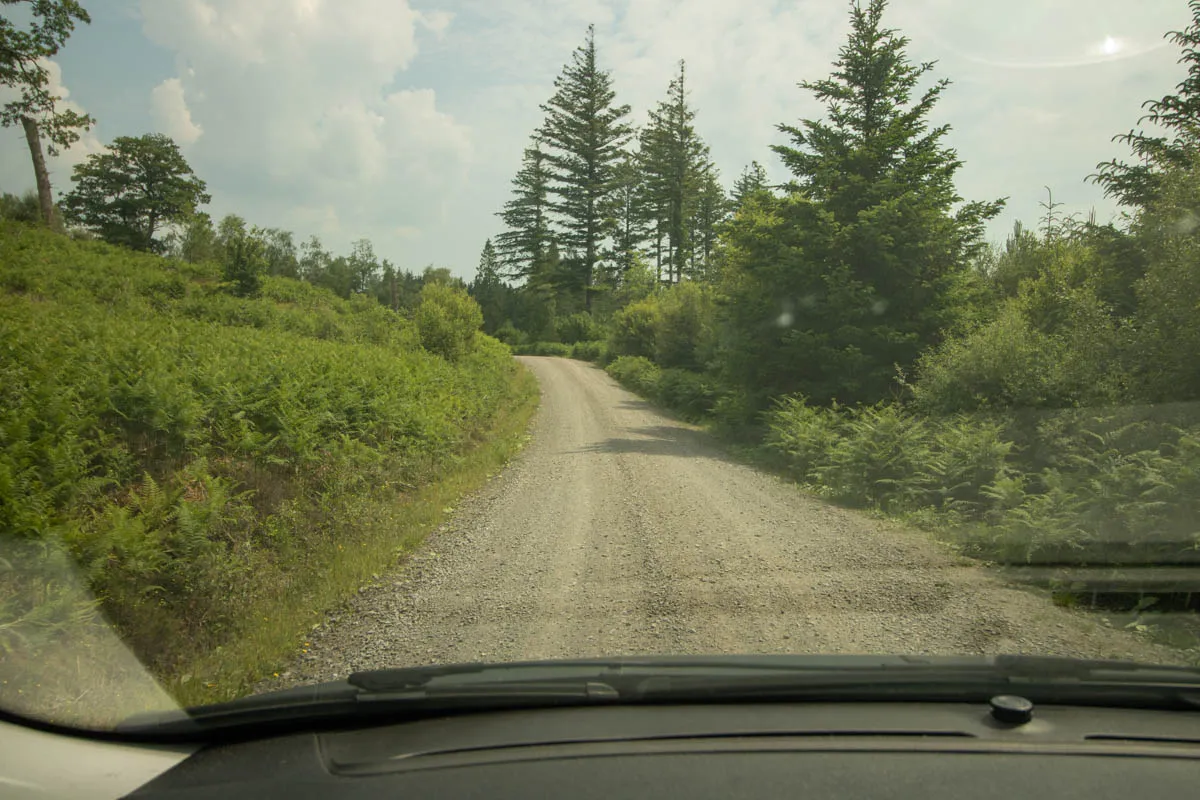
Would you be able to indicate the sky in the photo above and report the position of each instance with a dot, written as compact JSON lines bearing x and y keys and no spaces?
{"x":403,"y":121}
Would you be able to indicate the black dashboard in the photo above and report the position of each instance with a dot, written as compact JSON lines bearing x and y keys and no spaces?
{"x":809,"y":750}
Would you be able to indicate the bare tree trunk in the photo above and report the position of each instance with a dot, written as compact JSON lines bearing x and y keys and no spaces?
{"x":45,"y":198}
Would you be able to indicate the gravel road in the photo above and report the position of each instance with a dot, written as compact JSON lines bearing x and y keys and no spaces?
{"x":619,"y":531}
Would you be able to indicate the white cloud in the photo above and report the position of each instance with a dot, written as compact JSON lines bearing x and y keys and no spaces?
{"x":436,"y":21}
{"x":171,"y":112}
{"x":16,"y":166}
{"x":301,"y":114}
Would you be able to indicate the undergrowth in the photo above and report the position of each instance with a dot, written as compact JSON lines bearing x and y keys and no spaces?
{"x":198,"y":454}
{"x":1082,"y":487}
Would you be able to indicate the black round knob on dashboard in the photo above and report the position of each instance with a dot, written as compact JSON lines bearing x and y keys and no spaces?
{"x":1011,"y":709}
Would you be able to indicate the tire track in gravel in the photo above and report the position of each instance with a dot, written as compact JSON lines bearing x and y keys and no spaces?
{"x":619,"y":531}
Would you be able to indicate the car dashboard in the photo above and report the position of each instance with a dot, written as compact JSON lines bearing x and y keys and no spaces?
{"x":810,"y":750}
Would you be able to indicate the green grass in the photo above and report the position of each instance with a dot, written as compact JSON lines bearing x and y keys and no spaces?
{"x":209,"y":461}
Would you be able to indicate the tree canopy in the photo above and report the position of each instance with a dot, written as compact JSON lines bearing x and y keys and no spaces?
{"x":674,"y":162}
{"x":128,"y":194}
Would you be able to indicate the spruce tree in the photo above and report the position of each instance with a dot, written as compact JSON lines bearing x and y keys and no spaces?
{"x":489,"y":289}
{"x":527,"y":218}
{"x":673,"y":159}
{"x":861,"y":266}
{"x":584,"y":133}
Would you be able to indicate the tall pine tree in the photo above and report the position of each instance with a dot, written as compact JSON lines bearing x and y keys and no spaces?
{"x":673,"y":159}
{"x":584,"y":132}
{"x":858,"y":269}
{"x":526,"y":242}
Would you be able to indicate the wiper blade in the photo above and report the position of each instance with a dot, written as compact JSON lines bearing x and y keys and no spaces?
{"x":410,"y":693}
{"x":343,"y":701}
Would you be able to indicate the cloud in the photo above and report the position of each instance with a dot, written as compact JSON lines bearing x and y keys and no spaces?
{"x":16,"y":167}
{"x":436,"y":21}
{"x":171,"y":112}
{"x":301,"y":113}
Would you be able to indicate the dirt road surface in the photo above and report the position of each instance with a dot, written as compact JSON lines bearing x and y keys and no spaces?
{"x":619,"y":531}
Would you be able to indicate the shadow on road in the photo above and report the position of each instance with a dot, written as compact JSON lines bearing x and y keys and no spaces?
{"x":660,"y":440}
{"x":638,"y":405}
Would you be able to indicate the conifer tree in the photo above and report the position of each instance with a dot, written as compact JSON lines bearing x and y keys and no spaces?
{"x":584,"y":133}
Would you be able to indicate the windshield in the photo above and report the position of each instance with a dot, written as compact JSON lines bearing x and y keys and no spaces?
{"x":338,"y":337}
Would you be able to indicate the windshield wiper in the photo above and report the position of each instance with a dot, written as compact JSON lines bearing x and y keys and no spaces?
{"x":413,"y":693}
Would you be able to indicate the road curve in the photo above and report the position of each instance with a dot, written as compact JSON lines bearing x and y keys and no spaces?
{"x":619,"y":531}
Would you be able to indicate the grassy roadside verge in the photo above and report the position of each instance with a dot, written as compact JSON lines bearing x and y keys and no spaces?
{"x":187,"y":475}
{"x":388,"y":529}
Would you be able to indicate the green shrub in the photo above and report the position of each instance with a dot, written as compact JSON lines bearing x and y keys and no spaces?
{"x":689,"y":393}
{"x":579,"y":327}
{"x":633,"y":329}
{"x":804,"y":435}
{"x":683,"y":328}
{"x":876,"y":458}
{"x":447,"y":320}
{"x":965,"y":455}
{"x":1080,"y":488}
{"x":885,"y":456}
{"x":734,"y":416}
{"x":20,"y":208}
{"x":1055,"y":345}
{"x":244,"y":262}
{"x":590,"y":351}
{"x":544,"y":349}
{"x":636,"y":373}
{"x":509,"y":334}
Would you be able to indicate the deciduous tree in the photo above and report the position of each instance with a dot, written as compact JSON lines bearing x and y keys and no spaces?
{"x":23,"y":54}
{"x":129,"y":193}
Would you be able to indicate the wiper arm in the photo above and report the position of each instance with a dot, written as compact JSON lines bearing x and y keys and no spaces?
{"x":411,"y":693}
{"x":342,"y":701}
